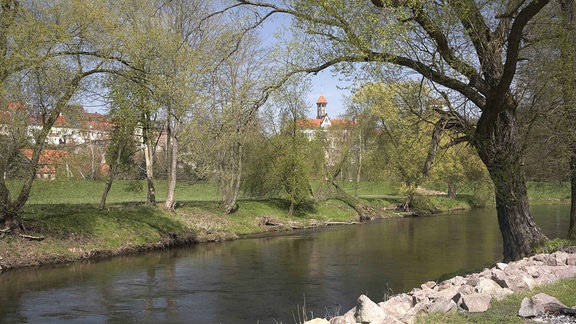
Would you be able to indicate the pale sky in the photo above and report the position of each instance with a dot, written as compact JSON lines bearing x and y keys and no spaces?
{"x":323,"y":83}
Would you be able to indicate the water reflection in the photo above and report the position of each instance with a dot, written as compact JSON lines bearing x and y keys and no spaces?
{"x":262,"y":279}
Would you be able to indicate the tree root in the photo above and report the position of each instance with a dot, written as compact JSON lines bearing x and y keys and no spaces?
{"x":32,"y":238}
{"x":17,"y":228}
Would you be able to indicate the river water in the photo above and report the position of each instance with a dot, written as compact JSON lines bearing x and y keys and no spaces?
{"x":263,"y":279}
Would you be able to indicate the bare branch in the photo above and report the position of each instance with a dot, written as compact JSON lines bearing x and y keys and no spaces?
{"x":514,"y":39}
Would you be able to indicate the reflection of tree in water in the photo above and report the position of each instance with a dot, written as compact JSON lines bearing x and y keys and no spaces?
{"x":161,"y":287}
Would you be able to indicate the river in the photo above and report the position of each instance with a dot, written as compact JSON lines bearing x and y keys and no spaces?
{"x":267,"y":279}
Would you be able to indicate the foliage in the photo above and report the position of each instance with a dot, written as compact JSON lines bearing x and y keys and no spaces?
{"x":283,"y":164}
{"x":403,"y":132}
{"x":469,"y":51}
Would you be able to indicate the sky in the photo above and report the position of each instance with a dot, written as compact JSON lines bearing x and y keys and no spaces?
{"x":334,"y":90}
{"x":323,"y":83}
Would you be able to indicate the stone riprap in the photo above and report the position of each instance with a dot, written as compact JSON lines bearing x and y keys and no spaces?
{"x":472,"y":293}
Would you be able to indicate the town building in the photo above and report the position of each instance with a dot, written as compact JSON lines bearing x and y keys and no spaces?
{"x":333,"y":131}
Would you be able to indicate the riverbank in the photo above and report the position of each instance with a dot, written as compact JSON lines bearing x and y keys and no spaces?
{"x":65,"y":214}
{"x":501,"y":294}
{"x":75,"y":232}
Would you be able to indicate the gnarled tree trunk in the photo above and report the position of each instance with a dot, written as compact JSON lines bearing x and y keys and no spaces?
{"x":497,"y":143}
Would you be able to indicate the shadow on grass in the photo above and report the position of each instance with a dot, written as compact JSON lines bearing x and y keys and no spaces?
{"x":65,"y":220}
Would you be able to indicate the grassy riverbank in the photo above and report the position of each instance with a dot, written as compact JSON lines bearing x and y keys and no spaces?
{"x":66,"y":214}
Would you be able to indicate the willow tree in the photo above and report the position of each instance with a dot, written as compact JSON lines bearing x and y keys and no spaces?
{"x":216,"y":137}
{"x":404,"y":128}
{"x":568,"y":82}
{"x":471,"y":48}
{"x":180,"y":79}
{"x":47,"y":52}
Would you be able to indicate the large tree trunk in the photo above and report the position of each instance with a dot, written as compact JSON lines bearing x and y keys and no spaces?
{"x":572,"y":228}
{"x":499,"y":147}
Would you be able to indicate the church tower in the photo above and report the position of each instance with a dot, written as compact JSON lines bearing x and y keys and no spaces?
{"x":321,"y":107}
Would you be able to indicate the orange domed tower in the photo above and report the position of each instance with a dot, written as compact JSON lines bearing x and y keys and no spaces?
{"x":321,"y":107}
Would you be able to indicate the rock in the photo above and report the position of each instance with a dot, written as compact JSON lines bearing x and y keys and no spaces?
{"x":317,"y":321}
{"x":570,"y":249}
{"x":472,"y":281}
{"x":487,"y":285}
{"x":347,"y":318}
{"x":571,"y":261}
{"x":501,"y":265}
{"x":398,"y":305}
{"x":445,"y":294}
{"x":516,"y":280}
{"x":542,"y":257}
{"x":442,"y":306}
{"x":368,"y":312}
{"x":532,"y":307}
{"x":420,"y":294}
{"x":565,"y":272}
{"x":475,"y":303}
{"x":561,"y":257}
{"x":492,"y":288}
{"x":429,"y":285}
{"x":410,"y":315}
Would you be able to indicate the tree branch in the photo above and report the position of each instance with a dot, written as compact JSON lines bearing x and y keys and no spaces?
{"x":514,"y":39}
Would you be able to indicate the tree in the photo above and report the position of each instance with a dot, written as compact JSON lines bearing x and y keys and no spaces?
{"x":216,"y":137}
{"x":288,"y":171}
{"x":404,"y":113}
{"x":120,"y":155}
{"x":180,"y":80}
{"x":134,"y":106}
{"x":47,"y":51}
{"x":471,"y":48}
{"x":568,"y":81}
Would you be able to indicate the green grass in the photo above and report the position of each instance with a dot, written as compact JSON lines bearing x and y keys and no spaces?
{"x":66,"y":213}
{"x":548,"y":192}
{"x":90,"y":192}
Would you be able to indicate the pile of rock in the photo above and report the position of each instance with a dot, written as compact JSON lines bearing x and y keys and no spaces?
{"x":472,"y":293}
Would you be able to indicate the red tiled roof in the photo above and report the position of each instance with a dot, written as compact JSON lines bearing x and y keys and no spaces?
{"x":322,"y":100}
{"x":47,"y":157}
{"x":342,"y":122}
{"x":61,"y":122}
{"x":309,"y":123}
{"x":315,"y":123}
{"x":97,"y":121}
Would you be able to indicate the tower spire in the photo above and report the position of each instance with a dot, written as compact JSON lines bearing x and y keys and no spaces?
{"x":321,"y":107}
